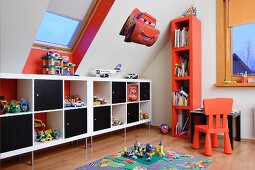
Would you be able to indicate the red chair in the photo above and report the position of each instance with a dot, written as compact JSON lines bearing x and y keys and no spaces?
{"x":216,"y":107}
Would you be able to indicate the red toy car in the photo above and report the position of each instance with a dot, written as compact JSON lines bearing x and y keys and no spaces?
{"x":140,"y":28}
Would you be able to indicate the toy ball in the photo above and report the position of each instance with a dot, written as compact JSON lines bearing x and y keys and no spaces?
{"x":164,"y":128}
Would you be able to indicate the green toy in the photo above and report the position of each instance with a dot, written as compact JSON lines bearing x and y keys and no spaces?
{"x":14,"y":106}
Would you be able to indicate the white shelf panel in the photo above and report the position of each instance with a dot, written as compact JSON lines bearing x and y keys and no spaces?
{"x":118,"y":127}
{"x":74,"y":108}
{"x":43,"y":111}
{"x":101,"y":105}
{"x":116,"y":104}
{"x":143,"y":101}
{"x":133,"y":102}
{"x":39,"y":145}
{"x":16,"y":152}
{"x":138,"y":123}
{"x":15,"y":114}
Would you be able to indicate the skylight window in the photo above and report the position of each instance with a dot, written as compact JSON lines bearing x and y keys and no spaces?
{"x":56,"y":30}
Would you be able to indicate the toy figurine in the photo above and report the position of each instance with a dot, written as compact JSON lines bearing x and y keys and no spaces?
{"x":4,"y":108}
{"x":24,"y":107}
{"x":14,"y":106}
{"x":190,"y":11}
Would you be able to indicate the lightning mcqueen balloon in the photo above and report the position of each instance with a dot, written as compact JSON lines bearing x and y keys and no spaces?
{"x":140,"y":28}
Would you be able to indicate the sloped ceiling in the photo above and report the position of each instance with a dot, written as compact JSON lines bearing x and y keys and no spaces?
{"x":74,"y":9}
{"x":20,"y":21}
{"x":109,"y":49}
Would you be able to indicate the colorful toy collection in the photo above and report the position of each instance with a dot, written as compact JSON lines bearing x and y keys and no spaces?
{"x":143,"y":115}
{"x":42,"y":135}
{"x":14,"y":106}
{"x":116,"y":121}
{"x":98,"y":101}
{"x":144,"y":151}
{"x":74,"y":101}
{"x":55,"y":64}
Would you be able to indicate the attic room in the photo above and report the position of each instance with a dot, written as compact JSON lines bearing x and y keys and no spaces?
{"x":83,"y":87}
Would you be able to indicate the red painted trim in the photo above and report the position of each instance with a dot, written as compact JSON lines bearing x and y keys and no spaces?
{"x":34,"y":62}
{"x":92,"y":28}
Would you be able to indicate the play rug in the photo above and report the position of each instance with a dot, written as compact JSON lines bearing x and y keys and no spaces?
{"x":171,"y":161}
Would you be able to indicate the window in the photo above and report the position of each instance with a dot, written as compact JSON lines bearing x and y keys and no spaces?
{"x":235,"y":52}
{"x":243,"y":49}
{"x":56,"y":30}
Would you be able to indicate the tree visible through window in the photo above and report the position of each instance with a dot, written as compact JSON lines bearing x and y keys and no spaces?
{"x":57,"y":30}
{"x":243,"y":49}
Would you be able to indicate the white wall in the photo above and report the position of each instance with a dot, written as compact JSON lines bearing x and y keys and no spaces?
{"x":244,"y":98}
{"x":20,"y":21}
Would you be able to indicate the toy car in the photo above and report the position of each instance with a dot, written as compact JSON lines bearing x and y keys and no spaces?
{"x":140,"y":28}
{"x":132,"y":76}
{"x":78,"y":104}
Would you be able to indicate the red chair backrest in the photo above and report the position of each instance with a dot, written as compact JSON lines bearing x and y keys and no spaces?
{"x":219,"y":107}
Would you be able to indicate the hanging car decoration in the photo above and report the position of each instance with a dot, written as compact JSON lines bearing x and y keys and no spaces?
{"x":140,"y":28}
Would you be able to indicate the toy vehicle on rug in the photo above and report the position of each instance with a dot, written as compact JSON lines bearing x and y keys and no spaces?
{"x":140,"y":28}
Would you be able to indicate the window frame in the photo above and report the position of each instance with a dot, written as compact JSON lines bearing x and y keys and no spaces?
{"x":77,"y":35}
{"x":224,"y":49}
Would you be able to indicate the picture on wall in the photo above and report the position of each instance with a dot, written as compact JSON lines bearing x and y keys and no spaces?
{"x":140,"y":28}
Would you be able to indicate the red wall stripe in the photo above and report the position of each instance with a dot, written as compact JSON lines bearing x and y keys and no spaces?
{"x":92,"y":28}
{"x":34,"y":63}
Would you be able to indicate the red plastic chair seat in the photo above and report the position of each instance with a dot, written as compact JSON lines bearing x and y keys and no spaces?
{"x":204,"y":128}
{"x":218,"y":109}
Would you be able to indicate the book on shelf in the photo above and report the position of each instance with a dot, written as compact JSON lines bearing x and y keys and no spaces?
{"x":181,"y":37}
{"x":181,"y":69}
{"x":182,"y":126}
{"x":180,"y":98}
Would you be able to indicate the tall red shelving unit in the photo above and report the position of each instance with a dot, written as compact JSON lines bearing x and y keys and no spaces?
{"x":186,"y":72}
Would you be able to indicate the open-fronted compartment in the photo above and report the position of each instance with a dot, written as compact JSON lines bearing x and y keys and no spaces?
{"x":181,"y":93}
{"x":75,"y":94}
{"x":48,"y":126}
{"x":118,"y":92}
{"x":48,"y":94}
{"x":132,"y":91}
{"x":15,"y":97}
{"x":102,"y":93}
{"x":119,"y":113}
{"x":182,"y":123}
{"x":145,"y":110}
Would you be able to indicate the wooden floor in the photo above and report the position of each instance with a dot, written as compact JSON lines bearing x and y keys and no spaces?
{"x":71,"y":156}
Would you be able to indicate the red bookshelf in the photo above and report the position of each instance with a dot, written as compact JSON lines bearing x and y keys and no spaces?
{"x":186,"y":72}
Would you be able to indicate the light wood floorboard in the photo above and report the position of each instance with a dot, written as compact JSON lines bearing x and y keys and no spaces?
{"x":71,"y":156}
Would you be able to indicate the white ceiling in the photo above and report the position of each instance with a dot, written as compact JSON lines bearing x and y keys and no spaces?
{"x":73,"y":9}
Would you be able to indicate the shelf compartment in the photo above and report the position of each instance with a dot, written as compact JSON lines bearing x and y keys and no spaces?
{"x":16,"y":89}
{"x":75,"y":122}
{"x":53,"y":120}
{"x":102,"y":89}
{"x":132,"y":92}
{"x":119,"y":114}
{"x":102,"y":118}
{"x":145,"y":110}
{"x":48,"y":94}
{"x":119,"y":92}
{"x":145,"y":91}
{"x":77,"y":88}
{"x":132,"y":112}
{"x":16,"y":132}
